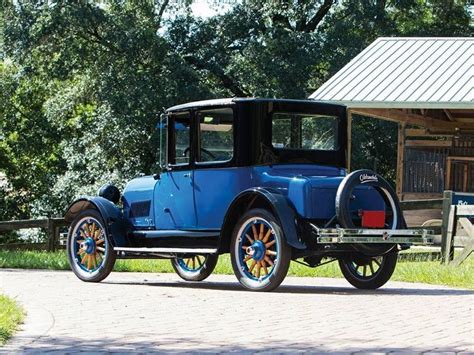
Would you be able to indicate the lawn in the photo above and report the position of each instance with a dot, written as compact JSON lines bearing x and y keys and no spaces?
{"x":11,"y":315}
{"x":431,"y":272}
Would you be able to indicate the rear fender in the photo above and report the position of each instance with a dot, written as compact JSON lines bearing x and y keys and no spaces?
{"x":275,"y":202}
{"x":115,"y":223}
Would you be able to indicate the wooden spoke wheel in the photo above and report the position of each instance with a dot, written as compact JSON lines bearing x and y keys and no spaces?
{"x":90,"y":255}
{"x":366,"y":272}
{"x":195,"y":267}
{"x":259,"y":253}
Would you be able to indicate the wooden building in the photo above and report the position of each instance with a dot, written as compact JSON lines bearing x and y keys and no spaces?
{"x":426,"y":86}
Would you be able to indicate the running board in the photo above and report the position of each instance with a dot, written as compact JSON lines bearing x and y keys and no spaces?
{"x":174,"y":233}
{"x":167,"y":250}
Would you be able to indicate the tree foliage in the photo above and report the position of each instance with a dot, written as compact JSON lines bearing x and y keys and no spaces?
{"x":83,"y":83}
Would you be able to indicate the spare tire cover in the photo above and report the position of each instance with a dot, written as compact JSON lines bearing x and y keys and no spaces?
{"x":343,"y":200}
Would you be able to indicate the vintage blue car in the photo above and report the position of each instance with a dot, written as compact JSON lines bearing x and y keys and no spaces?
{"x":261,"y":179}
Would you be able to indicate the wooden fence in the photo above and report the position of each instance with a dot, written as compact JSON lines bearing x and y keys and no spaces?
{"x":51,"y":225}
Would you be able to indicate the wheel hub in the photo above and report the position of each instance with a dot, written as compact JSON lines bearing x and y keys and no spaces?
{"x":257,"y":250}
{"x":88,"y":245}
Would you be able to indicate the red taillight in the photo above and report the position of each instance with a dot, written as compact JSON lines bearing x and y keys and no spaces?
{"x":373,"y":219}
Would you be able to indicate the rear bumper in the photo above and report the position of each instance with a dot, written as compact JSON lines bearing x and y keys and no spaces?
{"x":378,"y":236}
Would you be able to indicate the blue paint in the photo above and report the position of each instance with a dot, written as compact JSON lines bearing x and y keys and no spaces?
{"x":199,"y":199}
{"x":258,"y":250}
{"x":462,"y":198}
{"x":90,"y":243}
{"x":305,"y":186}
{"x":214,"y":190}
{"x":174,"y":200}
{"x":175,"y":233}
{"x":138,"y":190}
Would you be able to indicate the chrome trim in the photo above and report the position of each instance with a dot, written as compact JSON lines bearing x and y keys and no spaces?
{"x":167,"y":250}
{"x":389,"y":236}
{"x":377,"y":240}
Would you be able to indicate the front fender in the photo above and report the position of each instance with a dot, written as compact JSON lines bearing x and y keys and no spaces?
{"x":111,"y":214}
{"x":280,"y":206}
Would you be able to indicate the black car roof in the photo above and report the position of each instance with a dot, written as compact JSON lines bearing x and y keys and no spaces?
{"x":230,"y":101}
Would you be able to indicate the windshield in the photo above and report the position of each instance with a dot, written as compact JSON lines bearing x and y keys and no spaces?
{"x":304,"y":131}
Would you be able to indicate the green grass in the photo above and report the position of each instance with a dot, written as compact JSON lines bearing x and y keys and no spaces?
{"x":431,"y":272}
{"x":11,"y":314}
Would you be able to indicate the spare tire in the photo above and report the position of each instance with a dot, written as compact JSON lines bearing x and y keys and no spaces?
{"x":344,"y":196}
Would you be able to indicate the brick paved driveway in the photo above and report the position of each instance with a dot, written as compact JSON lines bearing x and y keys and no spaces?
{"x":157,"y":312}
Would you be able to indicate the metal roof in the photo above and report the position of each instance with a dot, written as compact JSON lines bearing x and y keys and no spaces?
{"x":428,"y":73}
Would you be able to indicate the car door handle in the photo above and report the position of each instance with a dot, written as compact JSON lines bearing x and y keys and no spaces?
{"x":187,"y":175}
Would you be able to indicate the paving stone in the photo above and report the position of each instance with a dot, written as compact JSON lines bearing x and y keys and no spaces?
{"x":142,"y":313}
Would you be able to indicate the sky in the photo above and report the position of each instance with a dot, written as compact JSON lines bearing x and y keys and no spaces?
{"x":208,"y":8}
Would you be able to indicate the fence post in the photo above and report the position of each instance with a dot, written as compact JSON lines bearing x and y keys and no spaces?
{"x":468,"y":226}
{"x":451,"y":232}
{"x":50,"y":246}
{"x":447,"y":200}
{"x":56,"y":237}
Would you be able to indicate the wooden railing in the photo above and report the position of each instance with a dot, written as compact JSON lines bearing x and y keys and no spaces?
{"x":52,"y":226}
{"x":422,"y":204}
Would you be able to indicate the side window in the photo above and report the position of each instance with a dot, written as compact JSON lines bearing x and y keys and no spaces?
{"x":216,"y":135}
{"x":180,"y":138}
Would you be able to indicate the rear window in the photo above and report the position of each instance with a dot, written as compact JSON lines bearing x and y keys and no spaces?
{"x":303,"y":131}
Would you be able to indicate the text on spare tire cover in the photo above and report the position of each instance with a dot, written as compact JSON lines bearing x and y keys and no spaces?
{"x":364,"y":178}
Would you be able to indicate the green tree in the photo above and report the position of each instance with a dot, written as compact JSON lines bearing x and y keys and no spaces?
{"x":100,"y":75}
{"x":83,"y":83}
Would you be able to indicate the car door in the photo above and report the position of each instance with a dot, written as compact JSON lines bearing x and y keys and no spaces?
{"x":216,"y":179}
{"x":174,"y":195}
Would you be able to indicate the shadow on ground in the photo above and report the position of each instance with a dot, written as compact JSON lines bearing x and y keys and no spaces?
{"x":413,"y":289}
{"x":192,"y":345}
{"x":304,"y":289}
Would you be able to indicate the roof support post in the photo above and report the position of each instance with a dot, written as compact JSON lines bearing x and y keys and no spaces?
{"x":349,"y":140}
{"x":400,"y":159}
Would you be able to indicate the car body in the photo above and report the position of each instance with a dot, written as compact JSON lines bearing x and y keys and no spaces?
{"x":279,"y":164}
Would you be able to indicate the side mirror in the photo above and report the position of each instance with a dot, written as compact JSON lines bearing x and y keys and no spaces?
{"x":157,"y":175}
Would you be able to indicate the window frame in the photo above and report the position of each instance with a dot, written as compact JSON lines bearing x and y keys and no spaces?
{"x":217,"y":163}
{"x":337,"y":138}
{"x":171,"y":140}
